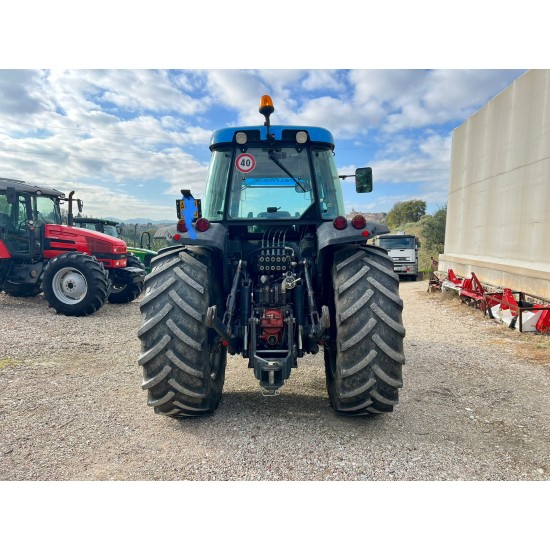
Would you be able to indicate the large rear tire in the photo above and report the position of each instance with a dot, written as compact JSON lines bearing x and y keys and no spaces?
{"x":182,"y":372}
{"x":364,"y":355}
{"x":75,"y":284}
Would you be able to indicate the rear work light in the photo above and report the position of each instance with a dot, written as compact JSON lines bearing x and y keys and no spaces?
{"x":359,"y":221}
{"x":202,"y":224}
{"x":340,"y":222}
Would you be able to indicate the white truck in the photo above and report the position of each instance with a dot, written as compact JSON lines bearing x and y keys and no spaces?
{"x":403,"y":250}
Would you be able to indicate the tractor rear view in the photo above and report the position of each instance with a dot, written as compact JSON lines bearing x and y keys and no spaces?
{"x":267,"y":266}
{"x":75,"y":268}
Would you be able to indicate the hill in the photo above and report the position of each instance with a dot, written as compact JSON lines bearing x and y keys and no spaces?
{"x":377,"y":217}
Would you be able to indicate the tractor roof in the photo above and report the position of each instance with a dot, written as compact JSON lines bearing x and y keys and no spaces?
{"x":316,"y":134}
{"x":23,"y":187}
{"x":85,"y":219}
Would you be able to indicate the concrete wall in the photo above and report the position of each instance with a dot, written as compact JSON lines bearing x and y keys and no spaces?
{"x":498,"y":213}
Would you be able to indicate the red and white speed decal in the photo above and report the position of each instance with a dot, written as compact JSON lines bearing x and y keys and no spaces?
{"x":245,"y":163}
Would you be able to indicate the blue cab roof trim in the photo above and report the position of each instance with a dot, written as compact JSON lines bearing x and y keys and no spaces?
{"x":315,"y":134}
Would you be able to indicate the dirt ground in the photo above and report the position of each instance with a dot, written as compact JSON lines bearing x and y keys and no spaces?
{"x":474,"y":406}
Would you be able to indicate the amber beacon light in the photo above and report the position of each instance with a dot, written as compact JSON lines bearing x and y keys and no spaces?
{"x":266,"y":106}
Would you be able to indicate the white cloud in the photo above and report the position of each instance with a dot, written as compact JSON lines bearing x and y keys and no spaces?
{"x":146,"y":133}
{"x":323,"y":80}
{"x":101,"y":201}
{"x":20,"y":94}
{"x":445,"y":96}
{"x":385,"y":87}
{"x":280,"y":80}
{"x":331,"y":113}
{"x":405,"y":99}
{"x":148,"y":90}
{"x":239,"y":90}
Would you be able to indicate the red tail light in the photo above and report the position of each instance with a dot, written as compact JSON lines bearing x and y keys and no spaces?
{"x":176,"y":237}
{"x":202,"y":224}
{"x":340,"y":222}
{"x":181,"y":226}
{"x":358,"y":221}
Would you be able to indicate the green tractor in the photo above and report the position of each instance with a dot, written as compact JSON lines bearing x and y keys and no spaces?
{"x":110,"y":227}
{"x":268,"y":267}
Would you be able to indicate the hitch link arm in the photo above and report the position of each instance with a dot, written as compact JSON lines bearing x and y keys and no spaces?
{"x":319,"y":325}
{"x":231,"y":299}
{"x":213,"y":322}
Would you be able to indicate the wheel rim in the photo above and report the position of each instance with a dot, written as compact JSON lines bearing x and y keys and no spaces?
{"x":116,"y":289}
{"x":69,"y":285}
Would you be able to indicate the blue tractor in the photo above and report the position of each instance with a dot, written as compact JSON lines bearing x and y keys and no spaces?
{"x":267,"y":266}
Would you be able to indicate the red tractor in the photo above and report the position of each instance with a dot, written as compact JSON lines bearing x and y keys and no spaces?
{"x":78,"y":270}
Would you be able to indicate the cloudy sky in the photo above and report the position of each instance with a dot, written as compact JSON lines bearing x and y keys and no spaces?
{"x":128,"y":140}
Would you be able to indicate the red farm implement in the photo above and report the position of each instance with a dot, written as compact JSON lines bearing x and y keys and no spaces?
{"x":513,"y":308}
{"x":473,"y":293}
{"x":518,"y":312}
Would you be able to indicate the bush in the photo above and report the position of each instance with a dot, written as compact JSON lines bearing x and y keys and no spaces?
{"x":433,"y":230}
{"x":405,"y":212}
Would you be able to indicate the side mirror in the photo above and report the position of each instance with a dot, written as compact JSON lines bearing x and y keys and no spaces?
{"x":80,"y":204}
{"x":363,"y":180}
{"x":303,"y":186}
{"x":11,"y":195}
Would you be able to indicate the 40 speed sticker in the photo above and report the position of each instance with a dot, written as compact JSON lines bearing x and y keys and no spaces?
{"x":245,"y":163}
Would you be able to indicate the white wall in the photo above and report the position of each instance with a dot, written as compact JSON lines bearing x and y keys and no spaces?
{"x":498,"y":214}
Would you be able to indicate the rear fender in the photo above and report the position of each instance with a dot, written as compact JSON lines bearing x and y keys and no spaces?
{"x":328,"y":235}
{"x":214,"y":237}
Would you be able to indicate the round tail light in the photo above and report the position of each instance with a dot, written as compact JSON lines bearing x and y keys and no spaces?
{"x":181,"y":226}
{"x":340,"y":222}
{"x":202,"y":224}
{"x":359,"y":221}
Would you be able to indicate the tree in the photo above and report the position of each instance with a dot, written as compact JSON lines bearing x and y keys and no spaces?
{"x":405,"y":212}
{"x":433,"y":230}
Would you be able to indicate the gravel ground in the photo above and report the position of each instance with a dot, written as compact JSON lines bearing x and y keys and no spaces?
{"x":474,"y":406}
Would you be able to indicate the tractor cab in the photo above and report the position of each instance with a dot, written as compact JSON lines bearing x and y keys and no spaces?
{"x":265,"y":173}
{"x":25,"y":210}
